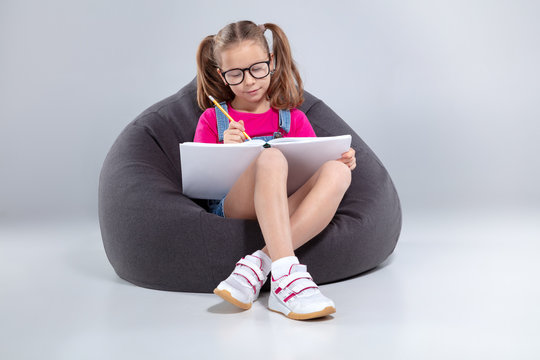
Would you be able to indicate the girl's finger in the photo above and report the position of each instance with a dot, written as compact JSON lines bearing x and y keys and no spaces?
{"x":233,"y":132}
{"x":237,"y":125}
{"x":240,"y":134}
{"x":234,"y":138}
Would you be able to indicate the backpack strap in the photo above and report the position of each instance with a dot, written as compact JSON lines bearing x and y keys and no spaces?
{"x":285,"y":120}
{"x":222,"y":120}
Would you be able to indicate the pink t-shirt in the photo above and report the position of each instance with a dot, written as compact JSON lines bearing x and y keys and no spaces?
{"x":264,"y":124}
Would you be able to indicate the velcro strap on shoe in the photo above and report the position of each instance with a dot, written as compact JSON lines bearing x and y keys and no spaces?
{"x":300,"y":289}
{"x":301,"y":284}
{"x":293,"y":277}
{"x":256,"y":270}
{"x":247,"y":274}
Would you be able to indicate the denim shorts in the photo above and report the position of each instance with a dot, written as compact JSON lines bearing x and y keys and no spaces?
{"x":216,"y":207}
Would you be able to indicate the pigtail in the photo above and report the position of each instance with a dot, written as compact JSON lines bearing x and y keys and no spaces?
{"x":208,"y":80}
{"x":286,"y":89}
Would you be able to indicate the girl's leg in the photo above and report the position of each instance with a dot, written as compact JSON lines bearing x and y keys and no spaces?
{"x":313,"y":206}
{"x":286,"y":223}
{"x":260,"y":193}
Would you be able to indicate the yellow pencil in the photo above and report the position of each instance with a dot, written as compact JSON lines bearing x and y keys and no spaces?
{"x":226,"y":114}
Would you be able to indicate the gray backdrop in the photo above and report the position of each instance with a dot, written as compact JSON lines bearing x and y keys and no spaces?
{"x":445,"y":92}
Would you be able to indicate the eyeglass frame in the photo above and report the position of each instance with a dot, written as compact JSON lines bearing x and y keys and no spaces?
{"x":223,"y":73}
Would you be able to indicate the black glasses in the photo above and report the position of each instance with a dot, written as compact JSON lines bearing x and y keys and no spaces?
{"x":258,"y":71}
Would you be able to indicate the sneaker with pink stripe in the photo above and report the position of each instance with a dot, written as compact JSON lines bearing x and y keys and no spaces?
{"x":296,"y":296}
{"x":243,"y":286}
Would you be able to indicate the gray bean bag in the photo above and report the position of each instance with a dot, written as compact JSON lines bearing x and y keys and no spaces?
{"x":156,"y":237}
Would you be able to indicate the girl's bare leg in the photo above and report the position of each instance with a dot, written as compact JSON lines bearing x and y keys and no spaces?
{"x":312,"y":207}
{"x":261,"y":193}
{"x":287,"y":223}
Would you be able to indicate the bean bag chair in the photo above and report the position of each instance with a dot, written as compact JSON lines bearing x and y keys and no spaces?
{"x":156,"y":237}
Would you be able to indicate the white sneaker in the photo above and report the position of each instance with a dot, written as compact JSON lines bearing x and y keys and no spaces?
{"x":296,"y":296}
{"x":242,"y":287}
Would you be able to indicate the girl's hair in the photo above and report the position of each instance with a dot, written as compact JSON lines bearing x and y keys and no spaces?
{"x":286,"y":88}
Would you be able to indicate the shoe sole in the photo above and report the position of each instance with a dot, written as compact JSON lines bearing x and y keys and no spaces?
{"x":295,"y":316}
{"x":226,"y":295}
{"x":276,"y":305}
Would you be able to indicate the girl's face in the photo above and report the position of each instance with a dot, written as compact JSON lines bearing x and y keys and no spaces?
{"x":250,"y":94}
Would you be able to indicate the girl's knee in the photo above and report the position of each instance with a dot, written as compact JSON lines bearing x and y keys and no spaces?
{"x":272,"y":159}
{"x":338,"y":173}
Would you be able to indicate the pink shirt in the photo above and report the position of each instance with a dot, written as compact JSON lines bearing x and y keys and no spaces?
{"x":264,"y":124}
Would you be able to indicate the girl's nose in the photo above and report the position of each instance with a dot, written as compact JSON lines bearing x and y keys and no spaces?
{"x":248,"y":78}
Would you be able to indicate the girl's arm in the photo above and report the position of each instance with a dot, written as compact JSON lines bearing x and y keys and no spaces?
{"x":206,"y":131}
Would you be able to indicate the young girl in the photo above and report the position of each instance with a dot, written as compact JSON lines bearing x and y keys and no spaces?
{"x":263,"y":89}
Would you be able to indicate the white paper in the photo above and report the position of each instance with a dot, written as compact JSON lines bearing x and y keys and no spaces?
{"x":210,"y":170}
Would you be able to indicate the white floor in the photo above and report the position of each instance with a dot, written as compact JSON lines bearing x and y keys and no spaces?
{"x":457,"y":287}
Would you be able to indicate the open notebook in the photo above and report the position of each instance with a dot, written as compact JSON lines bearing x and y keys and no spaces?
{"x":210,"y":170}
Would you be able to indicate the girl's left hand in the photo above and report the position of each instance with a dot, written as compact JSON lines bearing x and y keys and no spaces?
{"x":349,"y":159}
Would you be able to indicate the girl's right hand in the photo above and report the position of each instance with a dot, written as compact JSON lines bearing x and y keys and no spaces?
{"x":233,"y":134}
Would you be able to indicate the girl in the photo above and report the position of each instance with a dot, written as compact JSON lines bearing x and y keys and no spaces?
{"x":263,"y":88}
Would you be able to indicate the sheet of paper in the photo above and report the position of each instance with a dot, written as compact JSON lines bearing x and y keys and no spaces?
{"x":210,"y":170}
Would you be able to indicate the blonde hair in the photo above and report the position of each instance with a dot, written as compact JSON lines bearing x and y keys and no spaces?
{"x":286,"y":88}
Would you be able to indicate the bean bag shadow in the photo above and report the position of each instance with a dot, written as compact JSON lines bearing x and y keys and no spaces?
{"x":156,"y":237}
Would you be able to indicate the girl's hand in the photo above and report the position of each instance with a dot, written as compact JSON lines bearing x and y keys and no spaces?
{"x":349,"y":159}
{"x":234,"y":133}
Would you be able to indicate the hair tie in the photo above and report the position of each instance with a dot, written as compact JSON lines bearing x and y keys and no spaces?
{"x":262,"y":27}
